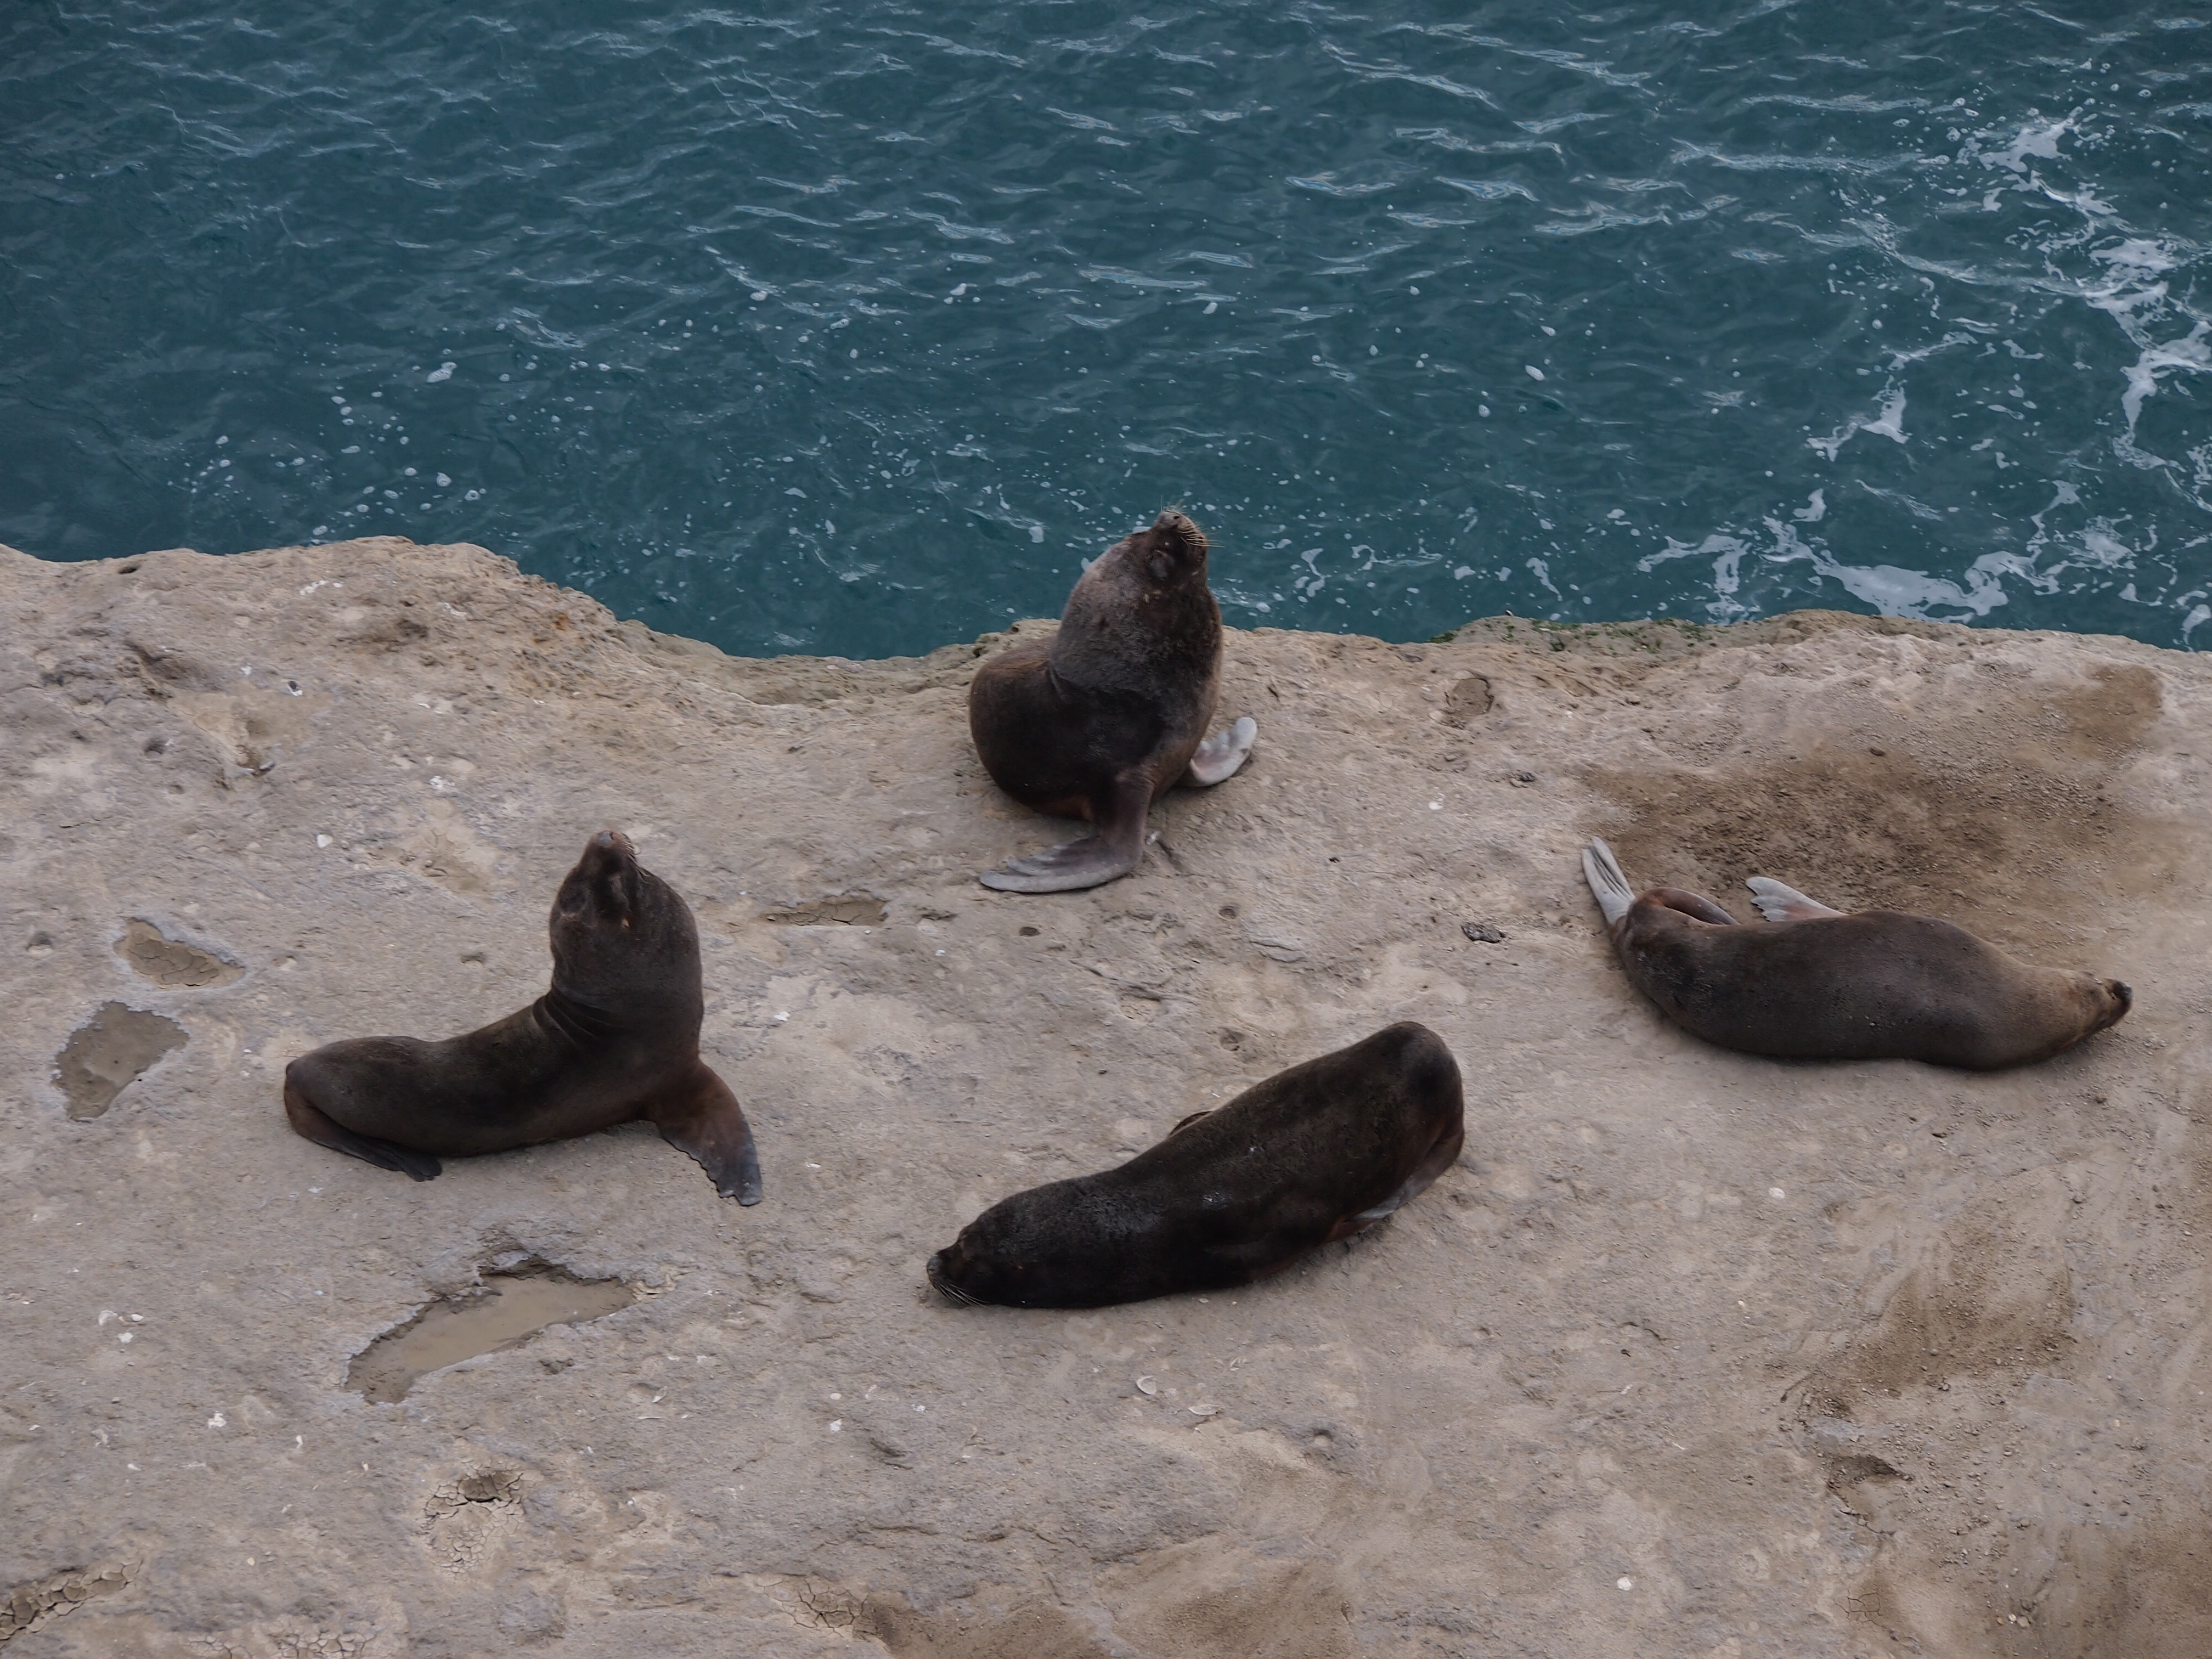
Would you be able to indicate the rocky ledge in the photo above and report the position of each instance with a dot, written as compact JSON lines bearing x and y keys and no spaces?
{"x":1692,"y":1353}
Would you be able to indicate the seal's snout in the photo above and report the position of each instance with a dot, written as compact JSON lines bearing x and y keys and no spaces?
{"x":1177,"y":536}
{"x":606,"y":880}
{"x":608,"y":862}
{"x":945,"y":1286}
{"x":935,"y":1269}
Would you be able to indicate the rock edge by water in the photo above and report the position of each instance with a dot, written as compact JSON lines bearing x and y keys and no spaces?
{"x":1692,"y":1353}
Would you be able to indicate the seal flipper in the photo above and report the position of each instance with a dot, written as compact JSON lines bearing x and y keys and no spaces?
{"x":1696,"y":906}
{"x":1222,"y":754}
{"x":312,"y":1122}
{"x":1777,"y":902}
{"x":703,"y":1118}
{"x":1607,"y":883}
{"x":1115,"y":850}
{"x":1438,"y":1159}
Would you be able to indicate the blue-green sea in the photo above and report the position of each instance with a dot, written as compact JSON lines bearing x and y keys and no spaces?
{"x":857,"y":327}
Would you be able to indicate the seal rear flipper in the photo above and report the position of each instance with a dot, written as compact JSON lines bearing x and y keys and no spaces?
{"x":312,"y":1123}
{"x":1777,"y":902}
{"x":1696,"y":906}
{"x":1222,"y":754}
{"x":1607,"y":883}
{"x":1115,"y":850}
{"x":703,"y":1118}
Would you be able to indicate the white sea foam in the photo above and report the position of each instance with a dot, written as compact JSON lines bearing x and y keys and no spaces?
{"x":2032,"y":140}
{"x":2191,"y":352}
{"x":1890,"y":589}
{"x":1889,"y":423}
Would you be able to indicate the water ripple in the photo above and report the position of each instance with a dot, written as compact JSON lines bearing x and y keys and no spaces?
{"x":816,"y":328}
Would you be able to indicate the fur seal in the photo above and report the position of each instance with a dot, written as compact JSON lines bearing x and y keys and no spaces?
{"x":1314,"y":1154}
{"x":615,"y":1039}
{"x":1107,"y":716}
{"x":1824,"y":985}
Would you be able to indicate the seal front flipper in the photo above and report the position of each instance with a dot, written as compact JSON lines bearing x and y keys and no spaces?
{"x":702,"y":1117}
{"x":1439,"y":1157}
{"x":1779,"y":903}
{"x":1222,"y":754}
{"x":1115,"y":850}
{"x":316,"y":1124}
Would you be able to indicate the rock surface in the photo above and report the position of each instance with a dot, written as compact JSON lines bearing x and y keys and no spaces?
{"x":1693,"y":1353}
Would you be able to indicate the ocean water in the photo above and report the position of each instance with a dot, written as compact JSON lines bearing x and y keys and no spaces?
{"x":857,"y":327}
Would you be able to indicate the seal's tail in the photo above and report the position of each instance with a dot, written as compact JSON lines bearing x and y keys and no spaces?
{"x":1610,"y":888}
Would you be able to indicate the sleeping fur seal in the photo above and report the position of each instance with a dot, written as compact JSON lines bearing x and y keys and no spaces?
{"x":615,"y":1039}
{"x":1316,"y":1153}
{"x":1820,"y":984}
{"x":1105,"y":717}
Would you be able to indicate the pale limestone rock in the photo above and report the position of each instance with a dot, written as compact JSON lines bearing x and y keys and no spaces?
{"x":1812,"y":1359}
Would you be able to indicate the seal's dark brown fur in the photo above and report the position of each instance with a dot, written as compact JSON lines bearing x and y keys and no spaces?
{"x":615,"y":1039}
{"x":1102,"y":719}
{"x":1318,"y":1152}
{"x":1812,"y":983}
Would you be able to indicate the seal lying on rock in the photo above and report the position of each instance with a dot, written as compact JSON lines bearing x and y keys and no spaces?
{"x":1316,"y":1153}
{"x":1820,"y":984}
{"x":615,"y":1039}
{"x":1105,"y":717}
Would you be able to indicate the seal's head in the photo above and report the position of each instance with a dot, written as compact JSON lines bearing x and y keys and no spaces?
{"x":944,"y":1269}
{"x":1170,"y":554}
{"x":1061,"y":1245}
{"x":623,"y":940}
{"x":2109,"y":1001}
{"x":987,"y":1263}
{"x":2071,"y":1006}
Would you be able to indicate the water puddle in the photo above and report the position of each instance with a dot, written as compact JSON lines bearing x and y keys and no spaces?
{"x":109,"y":1053}
{"x":507,"y":1311}
{"x":171,"y":962}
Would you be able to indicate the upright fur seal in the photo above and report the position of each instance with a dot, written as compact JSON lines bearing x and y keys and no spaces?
{"x":1825,"y":985}
{"x":1105,"y":717}
{"x":1316,"y":1153}
{"x":615,"y":1039}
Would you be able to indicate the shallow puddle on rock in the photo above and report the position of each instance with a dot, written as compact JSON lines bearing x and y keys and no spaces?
{"x":510,"y":1309}
{"x":110,"y":1052}
{"x":171,"y":962}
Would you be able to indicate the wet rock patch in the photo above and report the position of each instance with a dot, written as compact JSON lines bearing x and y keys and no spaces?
{"x":505,"y":1311}
{"x":109,"y":1053}
{"x":171,"y":963}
